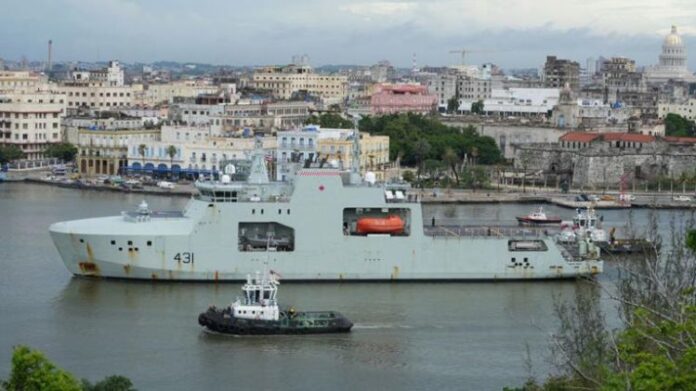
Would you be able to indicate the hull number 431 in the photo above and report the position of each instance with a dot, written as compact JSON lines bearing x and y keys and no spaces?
{"x":184,"y":257}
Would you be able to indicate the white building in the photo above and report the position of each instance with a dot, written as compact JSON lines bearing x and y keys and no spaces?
{"x":686,"y":109}
{"x":31,"y":122}
{"x":524,"y":102}
{"x":201,"y":156}
{"x":112,"y":75}
{"x":672,"y":62}
{"x":295,"y":146}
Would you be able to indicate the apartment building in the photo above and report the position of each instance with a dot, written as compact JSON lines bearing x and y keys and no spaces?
{"x":31,"y":121}
{"x":284,"y":81}
{"x":105,"y":152}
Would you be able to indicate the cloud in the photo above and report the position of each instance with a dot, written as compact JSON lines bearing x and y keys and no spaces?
{"x":519,"y":33}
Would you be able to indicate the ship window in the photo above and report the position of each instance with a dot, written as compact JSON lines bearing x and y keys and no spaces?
{"x":513,"y":260}
{"x":82,"y":240}
{"x":261,"y":211}
{"x":130,"y":242}
{"x":113,"y":242}
{"x":149,"y":242}
{"x":253,"y":211}
{"x":120,"y":249}
{"x":288,"y":211}
{"x":527,"y":245}
{"x":137,"y":249}
{"x":280,"y":211}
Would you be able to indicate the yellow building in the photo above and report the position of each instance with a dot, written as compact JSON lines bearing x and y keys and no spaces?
{"x":374,"y":151}
{"x":105,"y":152}
{"x":21,"y":81}
{"x":284,"y":81}
{"x":99,"y":95}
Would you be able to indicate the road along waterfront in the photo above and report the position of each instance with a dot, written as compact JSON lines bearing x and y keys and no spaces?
{"x":407,"y":336}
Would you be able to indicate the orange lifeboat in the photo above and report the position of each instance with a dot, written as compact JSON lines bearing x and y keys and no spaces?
{"x":380,"y":225}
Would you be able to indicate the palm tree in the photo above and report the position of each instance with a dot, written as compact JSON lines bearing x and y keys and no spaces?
{"x":422,"y":148}
{"x":171,"y":152}
{"x":141,"y":150}
{"x":452,"y":159}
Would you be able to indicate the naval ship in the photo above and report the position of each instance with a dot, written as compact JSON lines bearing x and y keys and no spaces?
{"x":324,"y":223}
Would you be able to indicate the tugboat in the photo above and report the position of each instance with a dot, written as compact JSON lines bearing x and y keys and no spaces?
{"x":538,"y":217}
{"x":258,"y":313}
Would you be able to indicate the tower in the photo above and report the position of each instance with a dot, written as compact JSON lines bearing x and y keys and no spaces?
{"x":50,"y":55}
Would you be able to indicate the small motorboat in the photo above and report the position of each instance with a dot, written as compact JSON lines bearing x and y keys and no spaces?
{"x":538,"y":217}
{"x":391,"y":224}
{"x":258,"y":312}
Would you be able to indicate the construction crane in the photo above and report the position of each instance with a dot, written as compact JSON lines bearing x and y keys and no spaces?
{"x":464,"y":52}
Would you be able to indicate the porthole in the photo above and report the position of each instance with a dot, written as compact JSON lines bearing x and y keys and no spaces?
{"x":113,"y":242}
{"x":130,"y":242}
{"x":149,"y":242}
{"x":82,"y":240}
{"x":120,"y":249}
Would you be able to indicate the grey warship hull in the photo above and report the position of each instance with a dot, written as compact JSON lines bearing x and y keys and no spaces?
{"x":309,"y":226}
{"x":205,"y":243}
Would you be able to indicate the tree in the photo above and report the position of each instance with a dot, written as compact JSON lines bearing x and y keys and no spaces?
{"x":9,"y":153}
{"x":171,"y":152}
{"x":31,"y":370}
{"x":676,"y":125}
{"x":62,"y":151}
{"x":141,"y":151}
{"x":452,"y":159}
{"x":655,"y":349}
{"x":111,"y":383}
{"x":329,"y":120}
{"x":452,"y":104}
{"x":477,"y":107}
{"x":408,"y":176}
{"x":422,"y":147}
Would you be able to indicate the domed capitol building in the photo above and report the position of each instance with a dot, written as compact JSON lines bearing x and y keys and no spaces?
{"x":672,"y":64}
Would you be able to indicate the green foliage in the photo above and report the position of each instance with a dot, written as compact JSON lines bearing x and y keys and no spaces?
{"x":656,"y":347}
{"x":329,"y":120}
{"x":409,"y":176}
{"x":31,"y":370}
{"x":477,"y":107}
{"x":141,"y":150}
{"x":111,"y":383}
{"x":452,"y":104}
{"x":418,"y":138}
{"x":63,"y":151}
{"x":676,"y":125}
{"x":691,"y":240}
{"x":9,"y":153}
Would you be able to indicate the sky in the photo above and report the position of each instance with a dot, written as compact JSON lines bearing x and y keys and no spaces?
{"x":511,"y":34}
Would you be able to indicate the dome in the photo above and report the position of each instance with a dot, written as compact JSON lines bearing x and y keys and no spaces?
{"x":673,"y":39}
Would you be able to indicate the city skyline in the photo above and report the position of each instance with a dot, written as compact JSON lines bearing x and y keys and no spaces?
{"x":510,"y":34}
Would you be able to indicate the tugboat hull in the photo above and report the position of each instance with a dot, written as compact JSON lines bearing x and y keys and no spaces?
{"x":320,"y":322}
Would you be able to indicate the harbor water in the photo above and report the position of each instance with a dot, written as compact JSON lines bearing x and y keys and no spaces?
{"x":406,"y":335}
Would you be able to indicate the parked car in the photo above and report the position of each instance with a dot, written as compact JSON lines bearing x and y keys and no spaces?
{"x":682,"y":198}
{"x":165,"y":185}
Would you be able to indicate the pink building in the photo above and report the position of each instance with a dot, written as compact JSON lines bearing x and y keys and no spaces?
{"x":402,"y":98}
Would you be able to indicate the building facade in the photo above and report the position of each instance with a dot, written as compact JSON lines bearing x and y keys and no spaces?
{"x":672,"y":61}
{"x":31,"y":122}
{"x":105,"y":152}
{"x":285,"y":81}
{"x":402,"y":98}
{"x":559,"y":72}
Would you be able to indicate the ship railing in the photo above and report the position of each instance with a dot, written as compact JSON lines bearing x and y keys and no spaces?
{"x":488,"y":231}
{"x":137,"y":217}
